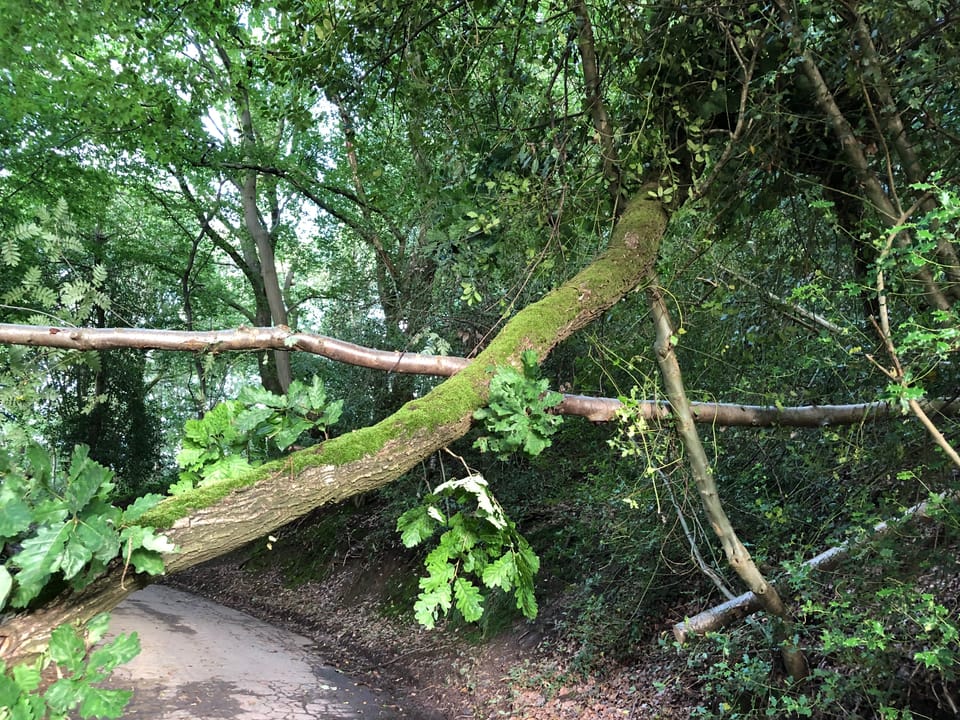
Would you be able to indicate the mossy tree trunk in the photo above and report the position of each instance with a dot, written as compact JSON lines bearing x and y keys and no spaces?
{"x":216,"y":519}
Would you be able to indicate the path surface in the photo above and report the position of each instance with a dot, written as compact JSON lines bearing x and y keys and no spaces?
{"x":201,"y":661}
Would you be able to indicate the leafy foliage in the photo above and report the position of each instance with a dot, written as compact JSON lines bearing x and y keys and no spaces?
{"x":283,"y":419}
{"x":62,"y":524}
{"x":517,"y":414}
{"x":237,"y":435}
{"x":79,"y":672}
{"x":481,"y":542}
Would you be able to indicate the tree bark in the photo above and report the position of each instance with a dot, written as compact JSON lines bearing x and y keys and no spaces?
{"x":737,"y":554}
{"x":720,"y":616}
{"x":214,"y":519}
{"x":595,"y":409}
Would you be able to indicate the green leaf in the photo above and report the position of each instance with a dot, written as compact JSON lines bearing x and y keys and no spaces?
{"x":251,"y":418}
{"x":231,"y":466}
{"x":120,"y":650}
{"x":84,"y":480}
{"x":156,"y":542}
{"x":74,"y":556}
{"x":139,"y":506}
{"x":65,"y":694}
{"x":27,"y":676}
{"x":415,"y":526}
{"x":331,"y":414}
{"x":254,"y":395}
{"x":6,"y":585}
{"x":15,"y":515}
{"x":97,"y":626}
{"x":37,"y":560}
{"x":431,"y":604}
{"x":104,"y":703}
{"x":502,"y":572}
{"x":99,"y":537}
{"x":288,"y":435}
{"x":147,"y":561}
{"x":469,"y":599}
{"x":9,"y":689}
{"x":67,"y":648}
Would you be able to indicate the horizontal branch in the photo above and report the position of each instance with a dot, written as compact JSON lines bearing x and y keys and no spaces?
{"x":594,"y":409}
{"x":241,"y":339}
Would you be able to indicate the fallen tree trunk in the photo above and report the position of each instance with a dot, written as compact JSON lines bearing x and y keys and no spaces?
{"x":215,"y":519}
{"x":741,"y":606}
{"x":595,"y":409}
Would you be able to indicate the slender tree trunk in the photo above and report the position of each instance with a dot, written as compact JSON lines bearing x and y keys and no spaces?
{"x":264,"y":246}
{"x":897,"y":133}
{"x":854,"y":153}
{"x":737,"y":554}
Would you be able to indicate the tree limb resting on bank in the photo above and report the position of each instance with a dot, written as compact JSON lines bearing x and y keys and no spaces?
{"x":592,"y":408}
{"x":727,"y":613}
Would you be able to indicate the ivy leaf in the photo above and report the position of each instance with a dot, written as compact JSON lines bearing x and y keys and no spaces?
{"x":469,"y":599}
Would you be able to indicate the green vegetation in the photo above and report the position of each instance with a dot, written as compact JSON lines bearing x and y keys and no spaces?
{"x":483,"y":543}
{"x":543,"y":189}
{"x":517,"y":412}
{"x":78,"y":672}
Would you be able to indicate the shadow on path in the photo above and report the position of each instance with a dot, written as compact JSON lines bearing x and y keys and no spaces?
{"x":203,"y":661}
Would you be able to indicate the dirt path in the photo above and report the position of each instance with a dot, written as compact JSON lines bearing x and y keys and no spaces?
{"x":201,"y":661}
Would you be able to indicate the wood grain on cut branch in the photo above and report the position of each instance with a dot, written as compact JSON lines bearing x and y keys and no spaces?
{"x":727,"y":613}
{"x":595,"y":409}
{"x":215,"y":519}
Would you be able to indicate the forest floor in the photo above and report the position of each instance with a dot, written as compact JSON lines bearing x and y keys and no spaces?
{"x":527,"y":670}
{"x":350,"y":591}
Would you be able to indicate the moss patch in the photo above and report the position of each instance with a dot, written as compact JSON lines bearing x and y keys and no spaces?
{"x":539,"y":327}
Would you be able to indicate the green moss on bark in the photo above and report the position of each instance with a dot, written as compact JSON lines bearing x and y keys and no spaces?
{"x":539,"y":327}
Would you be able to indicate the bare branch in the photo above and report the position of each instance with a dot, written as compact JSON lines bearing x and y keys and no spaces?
{"x":743,"y":605}
{"x":595,"y":409}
